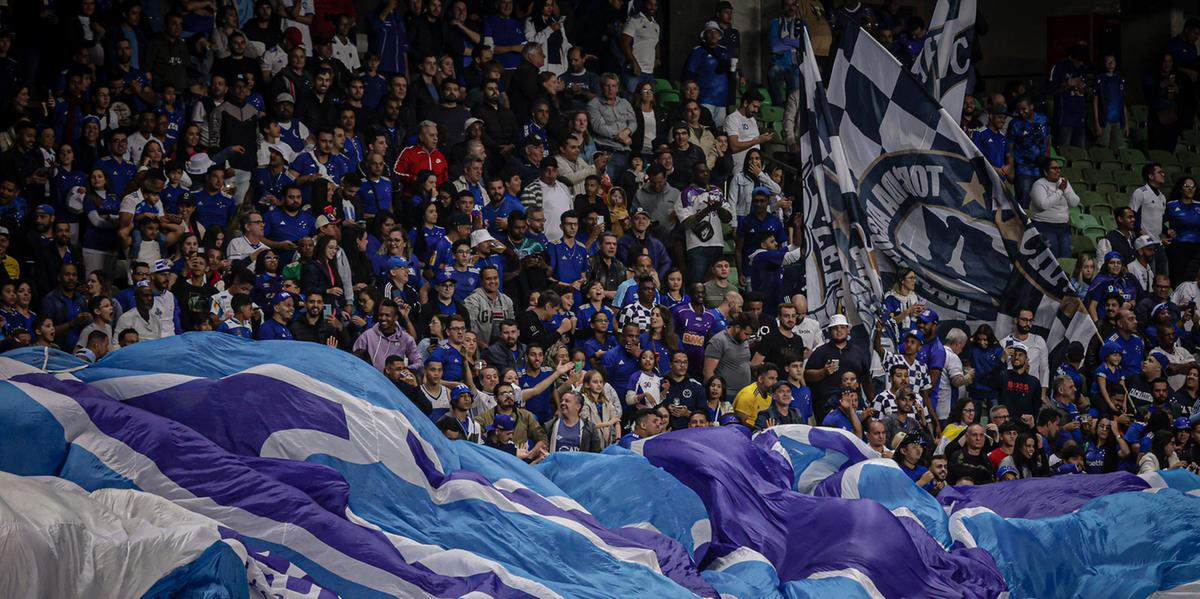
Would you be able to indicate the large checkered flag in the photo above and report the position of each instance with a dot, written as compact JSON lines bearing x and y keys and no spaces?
{"x":933,"y":204}
{"x":944,"y":64}
{"x":840,"y":272}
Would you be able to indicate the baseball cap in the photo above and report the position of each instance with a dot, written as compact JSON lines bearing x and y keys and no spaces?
{"x":86,"y":354}
{"x":928,"y":316}
{"x":915,"y":334}
{"x":1113,"y":256}
{"x":504,"y":422}
{"x":1144,"y":241}
{"x":460,"y":389}
{"x":1018,"y":346}
{"x":397,"y":262}
{"x":471,"y":121}
{"x":761,"y":191}
{"x":280,"y":297}
{"x":780,"y":384}
{"x":294,"y":36}
{"x":142,"y":283}
{"x":640,"y":210}
{"x":4,"y":231}
{"x":1109,"y":348}
{"x":458,"y":219}
{"x":1005,"y":469}
{"x":837,"y":320}
{"x":902,"y":439}
{"x":160,"y":266}
{"x":1163,"y":307}
{"x":442,"y":277}
{"x":285,"y":97}
{"x":45,"y":209}
{"x":325,"y":219}
{"x":729,"y":419}
{"x":1067,"y":468}
{"x":1182,"y":423}
{"x":533,"y":140}
{"x":711,"y":25}
{"x":144,"y":210}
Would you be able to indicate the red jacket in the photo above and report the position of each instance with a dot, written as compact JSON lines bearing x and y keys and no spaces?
{"x":414,"y":159}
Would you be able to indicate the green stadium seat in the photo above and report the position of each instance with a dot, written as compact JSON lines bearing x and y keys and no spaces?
{"x":1108,"y":221}
{"x":1073,"y":213}
{"x":1117,"y":199}
{"x":1082,"y":164}
{"x":764,"y":94}
{"x":1095,"y":175}
{"x":1173,"y":172}
{"x":1189,"y":158}
{"x":1128,"y":179}
{"x":1083,"y":244}
{"x":667,"y":98}
{"x":1131,"y":156}
{"x":1072,"y":173}
{"x":1067,"y":264}
{"x":1190,"y":138}
{"x":1110,"y":165}
{"x":1139,"y":112}
{"x":1084,"y":221}
{"x":1162,"y":157}
{"x":1100,"y":154}
{"x":771,"y":114}
{"x":1088,"y":199}
{"x":1073,"y":153}
{"x":664,"y":85}
{"x":1095,"y":232}
{"x":1105,"y":187}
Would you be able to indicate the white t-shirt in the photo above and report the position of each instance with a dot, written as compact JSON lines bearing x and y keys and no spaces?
{"x":1144,"y":275}
{"x":810,"y":332}
{"x":744,"y":129}
{"x":1153,"y":205}
{"x":649,"y":132}
{"x":1039,"y":357}
{"x":146,"y":329}
{"x":241,"y":248}
{"x":307,"y":9}
{"x":130,"y":203}
{"x":1181,"y":356}
{"x":953,"y":368}
{"x":1186,"y":292}
{"x":555,"y":201}
{"x":347,"y":53}
{"x":644,"y":32}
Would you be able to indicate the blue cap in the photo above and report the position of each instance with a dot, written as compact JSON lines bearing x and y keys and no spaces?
{"x":442,"y":277}
{"x":730,"y":419}
{"x":280,"y":297}
{"x":914,"y":333}
{"x":504,"y":422}
{"x":1109,"y":348}
{"x":91,"y":118}
{"x":1113,"y":255}
{"x":397,"y":262}
{"x":928,"y":316}
{"x":144,"y":209}
{"x":761,"y":190}
{"x":1005,"y":469}
{"x":1182,"y":423}
{"x":459,"y":390}
{"x":45,"y":209}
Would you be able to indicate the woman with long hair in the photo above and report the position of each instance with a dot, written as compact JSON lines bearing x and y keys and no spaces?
{"x":320,"y":275}
{"x":427,"y":234}
{"x":714,"y":394}
{"x":23,"y":315}
{"x":673,"y":294}
{"x":1026,"y":459}
{"x":268,"y":279}
{"x":412,"y":214}
{"x":660,"y":337}
{"x":651,"y":129}
{"x":152,"y":157}
{"x":354,"y":243}
{"x":902,"y":303}
{"x":1104,"y":448}
{"x":188,"y":244}
{"x":544,"y":26}
{"x":378,"y":228}
{"x":577,"y":125}
{"x":1183,"y":229}
{"x":188,"y":143}
{"x":1085,"y":271}
{"x":601,"y":407}
{"x":1189,"y":394}
{"x":1161,"y":455}
{"x":101,"y":209}
{"x":752,"y":176}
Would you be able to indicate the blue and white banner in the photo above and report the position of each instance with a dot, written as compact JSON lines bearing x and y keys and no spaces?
{"x":944,"y":64}
{"x":839,"y":268}
{"x":934,"y":205}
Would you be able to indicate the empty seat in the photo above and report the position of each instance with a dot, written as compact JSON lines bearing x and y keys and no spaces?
{"x":1131,"y":156}
{"x":1162,"y":157}
{"x":1095,"y":175}
{"x":1073,"y":153}
{"x":1100,"y":154}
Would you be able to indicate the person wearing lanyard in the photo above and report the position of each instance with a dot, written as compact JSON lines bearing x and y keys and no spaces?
{"x":1183,"y":231}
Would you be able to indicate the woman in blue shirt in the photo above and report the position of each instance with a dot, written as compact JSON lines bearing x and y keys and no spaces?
{"x":428,"y":235}
{"x":1114,"y":279}
{"x":1104,"y":448}
{"x":1183,"y":229}
{"x":506,"y":35}
{"x":984,"y":355}
{"x":673,"y":294}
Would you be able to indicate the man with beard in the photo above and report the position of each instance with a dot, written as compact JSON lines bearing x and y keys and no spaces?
{"x":1035,"y":348}
{"x":526,"y":428}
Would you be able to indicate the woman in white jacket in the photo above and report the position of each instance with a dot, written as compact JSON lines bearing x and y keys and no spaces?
{"x":1050,"y":203}
{"x":741,"y":188}
{"x":544,"y":26}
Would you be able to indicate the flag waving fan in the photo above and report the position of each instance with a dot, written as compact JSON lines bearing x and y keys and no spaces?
{"x":933,"y":205}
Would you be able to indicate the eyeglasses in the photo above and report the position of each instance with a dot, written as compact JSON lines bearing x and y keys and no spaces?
{"x":458,"y":328}
{"x":255,"y":222}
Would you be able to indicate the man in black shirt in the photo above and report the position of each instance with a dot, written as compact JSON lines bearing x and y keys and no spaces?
{"x":1018,"y":390}
{"x":826,"y":365}
{"x":684,"y":395}
{"x":314,"y":325}
{"x":972,"y":462}
{"x":532,"y":322}
{"x":781,"y":345}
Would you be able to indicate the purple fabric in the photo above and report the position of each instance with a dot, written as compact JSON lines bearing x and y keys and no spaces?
{"x":1040,"y":497}
{"x":750,"y":506}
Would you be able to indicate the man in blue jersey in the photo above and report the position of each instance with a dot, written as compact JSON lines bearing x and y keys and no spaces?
{"x":1067,"y":82}
{"x":213,"y":206}
{"x":619,"y":363}
{"x":568,"y":257}
{"x":283,"y":305}
{"x":993,"y":143}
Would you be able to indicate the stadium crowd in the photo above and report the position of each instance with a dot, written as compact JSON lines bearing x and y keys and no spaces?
{"x":491,"y":205}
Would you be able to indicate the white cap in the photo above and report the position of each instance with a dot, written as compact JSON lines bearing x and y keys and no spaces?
{"x":160,"y":266}
{"x":471,"y":121}
{"x":1017,"y":345}
{"x":198,"y":164}
{"x":837,"y":320}
{"x":1144,"y":241}
{"x":479,"y":236}
{"x":711,"y":25}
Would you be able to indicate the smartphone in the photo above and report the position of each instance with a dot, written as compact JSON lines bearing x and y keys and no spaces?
{"x":579,"y":366}
{"x":328,"y":311}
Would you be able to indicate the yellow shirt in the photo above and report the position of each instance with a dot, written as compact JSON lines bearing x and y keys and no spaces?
{"x":748,"y":401}
{"x":13,"y":267}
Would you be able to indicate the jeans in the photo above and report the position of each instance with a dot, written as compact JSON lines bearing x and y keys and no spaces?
{"x":1024,"y":186}
{"x":788,"y":75}
{"x":1057,"y":237}
{"x":631,"y":81}
{"x":1070,"y":136}
{"x":699,"y":260}
{"x":617,"y":164}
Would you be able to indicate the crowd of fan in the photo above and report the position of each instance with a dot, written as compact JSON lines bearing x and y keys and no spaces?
{"x":540,"y":256}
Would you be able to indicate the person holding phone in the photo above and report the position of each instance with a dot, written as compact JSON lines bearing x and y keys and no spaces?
{"x":320,"y":323}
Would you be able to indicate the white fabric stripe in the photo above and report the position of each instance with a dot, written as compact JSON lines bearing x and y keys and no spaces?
{"x":454,"y":562}
{"x":145,"y":474}
{"x":958,"y":528}
{"x":853,"y":574}
{"x":1190,"y":590}
{"x":737,"y":556}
